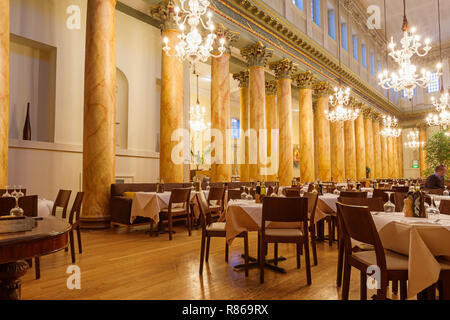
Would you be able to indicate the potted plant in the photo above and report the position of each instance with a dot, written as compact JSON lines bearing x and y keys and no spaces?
{"x":438,"y":151}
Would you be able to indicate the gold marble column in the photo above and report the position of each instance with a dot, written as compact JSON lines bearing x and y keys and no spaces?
{"x":283,"y":73}
{"x":384,"y":158}
{"x":242,"y":77}
{"x":391,"y":159}
{"x":99,"y":112}
{"x":220,"y":106}
{"x":172,"y":96}
{"x":256,"y":56}
{"x":337,"y":151}
{"x":4,"y":90}
{"x":322,"y":89}
{"x":368,"y":138}
{"x":350,"y":146}
{"x":377,"y":146}
{"x":271,"y":124}
{"x":316,"y":141}
{"x":304,"y":81}
{"x":396,"y":158}
{"x":400,"y":156}
{"x":360,"y":145}
{"x":422,"y":153}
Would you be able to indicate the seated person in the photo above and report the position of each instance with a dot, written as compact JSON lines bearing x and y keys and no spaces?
{"x":436,"y":180}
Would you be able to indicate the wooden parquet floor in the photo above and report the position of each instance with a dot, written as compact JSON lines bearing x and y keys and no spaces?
{"x":116,"y":264}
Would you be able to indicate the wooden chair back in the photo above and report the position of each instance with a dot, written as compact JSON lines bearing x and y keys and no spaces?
{"x":62,"y":201}
{"x":381,"y":193}
{"x":6,"y":204}
{"x":434,"y":191}
{"x":284,"y":209}
{"x":399,"y":197}
{"x":178,"y":196}
{"x":292,"y":192}
{"x":444,"y":207}
{"x":310,"y":187}
{"x":234,"y":194}
{"x":29,"y":204}
{"x":374,"y":204}
{"x":205,"y":215}
{"x":74,"y":216}
{"x":353,"y":194}
{"x":216,"y":194}
{"x":312,"y":204}
{"x":400,"y":188}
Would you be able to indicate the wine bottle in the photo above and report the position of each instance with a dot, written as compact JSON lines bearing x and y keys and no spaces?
{"x":27,"y":125}
{"x":263,"y":189}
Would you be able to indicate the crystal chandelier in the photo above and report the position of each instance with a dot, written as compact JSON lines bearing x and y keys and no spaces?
{"x":407,"y":78}
{"x":390,"y":129}
{"x":192,"y":23}
{"x":197,"y":115}
{"x":341,"y":112}
{"x":413,"y":140}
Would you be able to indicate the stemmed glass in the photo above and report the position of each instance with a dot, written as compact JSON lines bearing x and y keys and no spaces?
{"x":389,"y":206}
{"x":207,"y":186}
{"x":6,"y":194}
{"x":437,"y":202}
{"x":20,"y":193}
{"x":14,"y":193}
{"x":16,"y":211}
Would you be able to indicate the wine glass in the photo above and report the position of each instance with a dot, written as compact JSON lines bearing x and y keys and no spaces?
{"x":6,"y":194}
{"x":207,"y":186}
{"x":20,"y":193}
{"x":243,"y":194}
{"x":16,"y":211}
{"x":14,"y":193}
{"x":437,"y":202}
{"x":389,"y":206}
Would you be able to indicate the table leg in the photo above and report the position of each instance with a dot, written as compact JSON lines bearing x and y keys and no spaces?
{"x":253,"y":263}
{"x":10,"y":285}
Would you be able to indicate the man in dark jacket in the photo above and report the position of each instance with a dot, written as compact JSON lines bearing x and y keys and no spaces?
{"x":436,"y":180}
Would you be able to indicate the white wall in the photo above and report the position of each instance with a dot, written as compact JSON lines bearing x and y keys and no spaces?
{"x":42,"y":167}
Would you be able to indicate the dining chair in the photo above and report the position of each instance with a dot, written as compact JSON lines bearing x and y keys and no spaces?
{"x":399,"y":198}
{"x":357,"y":223}
{"x":74,"y":220}
{"x":177,"y":210}
{"x":29,"y":204}
{"x":434,"y":191}
{"x":310,"y":187}
{"x":292,"y":192}
{"x":293,"y":210}
{"x":216,"y":199}
{"x":312,"y":204}
{"x":353,"y":194}
{"x":400,"y":189}
{"x":212,"y":229}
{"x":234,"y":194}
{"x":6,"y":204}
{"x":381,"y":193}
{"x":444,"y":207}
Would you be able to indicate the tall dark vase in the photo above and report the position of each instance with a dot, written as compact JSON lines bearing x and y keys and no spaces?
{"x":27,"y":125}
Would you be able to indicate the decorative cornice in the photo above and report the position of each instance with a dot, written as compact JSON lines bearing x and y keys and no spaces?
{"x":257,"y":54}
{"x":271,"y":88}
{"x":283,"y":69}
{"x":304,"y":80}
{"x":229,"y":36}
{"x":164,"y":12}
{"x":322,"y":89}
{"x":242,"y":77}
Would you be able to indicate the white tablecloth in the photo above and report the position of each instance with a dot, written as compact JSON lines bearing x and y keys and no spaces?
{"x":44,"y":207}
{"x":330,"y":199}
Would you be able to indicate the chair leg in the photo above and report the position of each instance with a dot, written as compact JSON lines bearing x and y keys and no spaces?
{"x":330,"y":228}
{"x":307,"y":263}
{"x":226,"y":251}
{"x":363,"y":286}
{"x":246,"y":253}
{"x":403,"y":290}
{"x":346,"y":279}
{"x":313,"y":243}
{"x":395,"y":287}
{"x":202,"y":252}
{"x":275,"y":254}
{"x":72,"y":245}
{"x":37,"y":267}
{"x":170,"y":226}
{"x":151,"y":228}
{"x":381,"y":293}
{"x":298,"y":255}
{"x":208,"y":239}
{"x":189,"y":223}
{"x":340,"y":263}
{"x":262,"y":256}
{"x":80,"y":250}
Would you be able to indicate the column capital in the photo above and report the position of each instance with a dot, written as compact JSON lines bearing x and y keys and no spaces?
{"x":242,"y":77}
{"x":304,"y":80}
{"x":283,"y":68}
{"x":256,"y":54}
{"x":271,"y":88}
{"x":422,"y":125}
{"x":377,"y":117}
{"x":164,"y":12}
{"x":367,"y":112}
{"x":223,"y":32}
{"x":322,"y":89}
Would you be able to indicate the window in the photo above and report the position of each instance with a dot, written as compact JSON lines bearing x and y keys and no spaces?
{"x":344,"y":35}
{"x":434,"y":84}
{"x":372,"y":63}
{"x":235,"y":128}
{"x":315,"y":7}
{"x":391,"y":94}
{"x":379,"y":66}
{"x":405,"y":96}
{"x":331,"y":24}
{"x":355,"y":46}
{"x":298,"y":4}
{"x":364,"y":55}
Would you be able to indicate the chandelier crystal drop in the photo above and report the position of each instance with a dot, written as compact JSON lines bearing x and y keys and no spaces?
{"x":341,"y":111}
{"x":406,"y":78}
{"x":390,"y":129}
{"x":413,"y":140}
{"x":193,"y":22}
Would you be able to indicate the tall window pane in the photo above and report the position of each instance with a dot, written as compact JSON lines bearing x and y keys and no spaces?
{"x":364,"y":56}
{"x":355,"y":46}
{"x":331,"y":24}
{"x":315,"y":7}
{"x":435,"y":84}
{"x":372,"y":63}
{"x":298,"y":4}
{"x":344,"y":35}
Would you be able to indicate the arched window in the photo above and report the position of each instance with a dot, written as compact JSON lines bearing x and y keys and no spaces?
{"x":122,"y":89}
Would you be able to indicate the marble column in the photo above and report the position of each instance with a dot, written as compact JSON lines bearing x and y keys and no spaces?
{"x":220,"y":106}
{"x":271,"y":124}
{"x":99,"y":112}
{"x":4,"y":90}
{"x":316,"y":140}
{"x":360,"y":146}
{"x":242,"y":77}
{"x":172,"y":97}
{"x":337,"y":151}
{"x":283,"y":73}
{"x":396,"y":158}
{"x":422,"y":153}
{"x":368,"y":138}
{"x":391,"y":164}
{"x":256,"y":56}
{"x":377,"y":146}
{"x":400,"y":156}
{"x":384,"y":158}
{"x":322,"y":89}
{"x":304,"y":81}
{"x":350,"y":150}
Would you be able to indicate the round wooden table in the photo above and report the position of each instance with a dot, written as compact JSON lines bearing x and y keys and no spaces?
{"x":49,"y":235}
